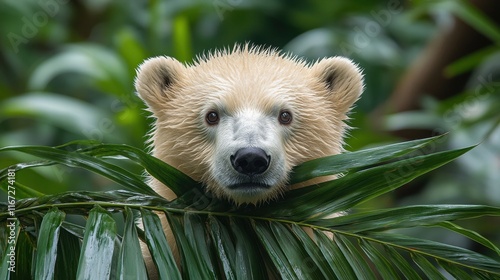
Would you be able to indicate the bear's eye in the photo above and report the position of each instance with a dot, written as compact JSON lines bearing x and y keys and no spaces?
{"x":212,"y":118}
{"x":285,"y":117}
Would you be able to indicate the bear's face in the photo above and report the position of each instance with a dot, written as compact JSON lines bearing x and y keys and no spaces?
{"x":239,"y":121}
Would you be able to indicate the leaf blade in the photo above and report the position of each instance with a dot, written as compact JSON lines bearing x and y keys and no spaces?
{"x":46,"y":251}
{"x":224,"y":246}
{"x":341,"y":163}
{"x":68,"y":253}
{"x":247,"y":254}
{"x":98,"y":246}
{"x":130,"y":262}
{"x":319,"y":201}
{"x":195,"y":233}
{"x":471,"y":234}
{"x":314,"y":253}
{"x":383,"y":266}
{"x":275,"y":251}
{"x":177,"y":181}
{"x":441,"y":252}
{"x":74,"y":159}
{"x":332,"y":253}
{"x":354,"y":257}
{"x":158,"y":246}
{"x":406,"y":217}
{"x":401,"y":263}
{"x":430,"y":270}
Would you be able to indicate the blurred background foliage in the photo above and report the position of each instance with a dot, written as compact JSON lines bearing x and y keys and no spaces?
{"x":67,"y":73}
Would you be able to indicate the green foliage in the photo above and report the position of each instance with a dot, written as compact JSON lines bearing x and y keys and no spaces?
{"x":67,"y":73}
{"x":295,"y":237}
{"x":472,"y":115}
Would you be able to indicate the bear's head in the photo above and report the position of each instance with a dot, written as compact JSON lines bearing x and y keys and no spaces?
{"x":239,"y":120}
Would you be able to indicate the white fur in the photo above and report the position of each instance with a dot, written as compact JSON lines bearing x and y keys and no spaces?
{"x":247,"y":87}
{"x":248,"y":127}
{"x":250,"y":86}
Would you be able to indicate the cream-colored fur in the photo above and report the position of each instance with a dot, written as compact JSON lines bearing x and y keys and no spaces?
{"x":247,"y":86}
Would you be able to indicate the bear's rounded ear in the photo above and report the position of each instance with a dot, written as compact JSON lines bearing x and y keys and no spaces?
{"x":343,"y":81}
{"x":155,"y":78}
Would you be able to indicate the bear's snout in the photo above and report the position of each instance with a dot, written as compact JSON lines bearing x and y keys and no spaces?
{"x":250,"y":161}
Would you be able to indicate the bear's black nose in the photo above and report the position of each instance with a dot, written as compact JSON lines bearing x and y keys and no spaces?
{"x":250,"y":161}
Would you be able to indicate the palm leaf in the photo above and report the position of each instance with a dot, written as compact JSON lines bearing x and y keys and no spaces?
{"x":288,"y":238}
{"x":46,"y":251}
{"x":158,"y":246}
{"x":130,"y":263}
{"x":96,"y":257}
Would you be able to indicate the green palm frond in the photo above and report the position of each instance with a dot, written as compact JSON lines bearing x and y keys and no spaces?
{"x":291,"y":238}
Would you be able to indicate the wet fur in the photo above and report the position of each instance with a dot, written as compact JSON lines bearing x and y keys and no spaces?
{"x":248,"y":86}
